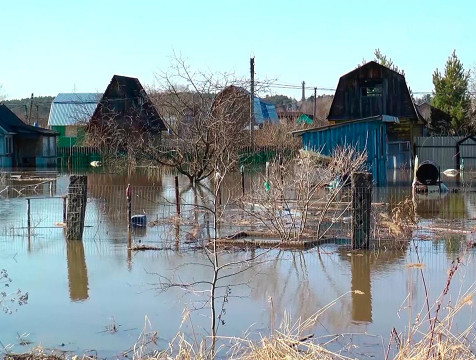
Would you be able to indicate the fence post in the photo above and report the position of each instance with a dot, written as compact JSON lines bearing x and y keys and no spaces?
{"x":77,"y":199}
{"x":129,"y":218}
{"x":177,"y":196}
{"x":129,"y":207}
{"x":361,"y":207}
{"x":64,"y":208}
{"x":28,"y":214}
{"x":242,"y":172}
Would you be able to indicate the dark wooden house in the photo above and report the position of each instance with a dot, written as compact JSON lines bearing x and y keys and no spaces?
{"x":376,"y":90}
{"x":438,"y":122}
{"x":125,"y":106}
{"x":23,"y":145}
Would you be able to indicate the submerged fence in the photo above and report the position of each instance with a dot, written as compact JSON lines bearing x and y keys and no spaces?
{"x":172,"y":226}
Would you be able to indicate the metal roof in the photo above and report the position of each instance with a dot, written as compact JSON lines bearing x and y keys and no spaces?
{"x":265,"y":112}
{"x":73,"y":108}
{"x":11,"y":124}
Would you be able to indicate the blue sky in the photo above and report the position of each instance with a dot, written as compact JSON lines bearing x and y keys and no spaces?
{"x":49,"y":47}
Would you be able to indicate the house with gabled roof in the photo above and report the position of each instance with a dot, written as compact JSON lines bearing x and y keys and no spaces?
{"x":23,"y":145}
{"x":126,"y":104}
{"x":69,"y":115}
{"x":438,"y":121}
{"x":376,"y":90}
{"x":238,"y":99}
{"x":373,"y":111}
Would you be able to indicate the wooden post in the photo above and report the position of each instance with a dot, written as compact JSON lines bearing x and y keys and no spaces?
{"x":242,"y":172}
{"x":361,"y":207}
{"x":77,"y":199}
{"x":28,"y":214}
{"x":129,"y":207}
{"x":177,"y":196}
{"x":64,"y":208}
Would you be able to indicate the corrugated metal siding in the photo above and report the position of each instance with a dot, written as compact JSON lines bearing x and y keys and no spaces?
{"x":440,"y":149}
{"x":69,"y":109}
{"x":364,"y":135}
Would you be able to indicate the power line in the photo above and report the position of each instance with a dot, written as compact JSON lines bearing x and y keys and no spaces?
{"x":299,"y":87}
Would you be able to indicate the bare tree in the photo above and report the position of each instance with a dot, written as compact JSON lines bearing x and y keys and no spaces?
{"x":122,"y":136}
{"x":206,"y":116}
{"x":2,"y":95}
{"x":297,"y":195}
{"x":323,"y":106}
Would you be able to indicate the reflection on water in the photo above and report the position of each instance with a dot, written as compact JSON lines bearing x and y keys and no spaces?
{"x":115,"y":280}
{"x":77,"y":271}
{"x":361,"y":288}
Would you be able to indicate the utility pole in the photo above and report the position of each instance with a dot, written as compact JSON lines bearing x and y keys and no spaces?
{"x":303,"y":98}
{"x":31,"y":108}
{"x":252,"y":99}
{"x":315,"y":105}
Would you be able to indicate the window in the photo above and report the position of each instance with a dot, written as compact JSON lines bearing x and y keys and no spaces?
{"x":71,"y":131}
{"x":369,"y":91}
{"x":8,"y":145}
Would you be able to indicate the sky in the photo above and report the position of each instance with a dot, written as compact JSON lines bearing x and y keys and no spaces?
{"x":48,"y":47}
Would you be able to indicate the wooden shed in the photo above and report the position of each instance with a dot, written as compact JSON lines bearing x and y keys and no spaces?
{"x":364,"y":134}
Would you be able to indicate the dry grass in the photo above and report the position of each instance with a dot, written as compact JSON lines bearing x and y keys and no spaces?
{"x":294,"y":340}
{"x":290,"y":341}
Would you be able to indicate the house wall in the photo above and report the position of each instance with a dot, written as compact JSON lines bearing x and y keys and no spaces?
{"x":406,"y":130}
{"x":5,"y":160}
{"x":70,"y":135}
{"x":367,"y":136}
{"x":35,"y":151}
{"x":48,"y":155}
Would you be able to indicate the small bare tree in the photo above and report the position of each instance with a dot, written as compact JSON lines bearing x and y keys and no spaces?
{"x":298,"y":194}
{"x":8,"y":300}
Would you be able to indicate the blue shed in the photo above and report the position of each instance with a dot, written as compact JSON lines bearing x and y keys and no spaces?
{"x":364,"y":134}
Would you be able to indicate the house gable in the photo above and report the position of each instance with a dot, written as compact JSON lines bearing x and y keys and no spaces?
{"x":371,"y":90}
{"x":126,"y":102}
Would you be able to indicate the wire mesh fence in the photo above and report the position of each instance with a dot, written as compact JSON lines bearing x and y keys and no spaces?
{"x":394,"y":214}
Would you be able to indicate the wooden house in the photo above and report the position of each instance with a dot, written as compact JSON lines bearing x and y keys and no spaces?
{"x":236,"y":100}
{"x":126,"y":106}
{"x":23,"y":145}
{"x":69,"y":115}
{"x":438,"y":121}
{"x":372,"y":110}
{"x":376,"y":90}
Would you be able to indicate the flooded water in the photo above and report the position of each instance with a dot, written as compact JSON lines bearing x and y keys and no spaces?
{"x":95,"y":296}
